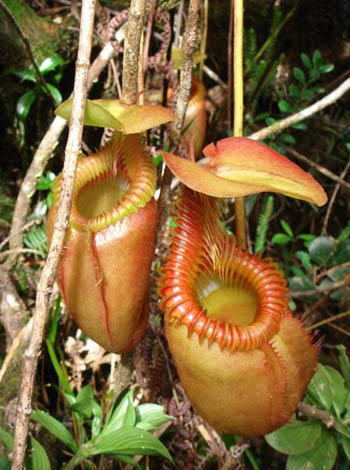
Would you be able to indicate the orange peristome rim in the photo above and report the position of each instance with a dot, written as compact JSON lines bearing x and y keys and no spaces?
{"x":199,"y":247}
{"x":239,"y":166}
{"x":125,"y":154}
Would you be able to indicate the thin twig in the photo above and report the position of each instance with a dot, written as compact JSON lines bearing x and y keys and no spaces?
{"x":43,"y":154}
{"x":322,"y":289}
{"x":278,"y":126}
{"x":48,"y":275}
{"x":28,"y":48}
{"x":240,"y":219}
{"x":333,"y":198}
{"x":339,"y":328}
{"x":148,"y":33}
{"x":24,"y":228}
{"x":321,"y":169}
{"x":312,"y":412}
{"x":328,"y":320}
{"x":188,"y":47}
{"x":215,"y":77}
{"x":132,"y":50}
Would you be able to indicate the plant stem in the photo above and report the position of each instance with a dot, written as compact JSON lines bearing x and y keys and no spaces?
{"x":84,"y":452}
{"x":132,"y":50}
{"x":32,"y":353}
{"x":238,"y":109}
{"x":328,"y":320}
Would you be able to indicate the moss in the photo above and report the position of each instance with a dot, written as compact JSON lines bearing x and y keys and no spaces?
{"x":42,"y":33}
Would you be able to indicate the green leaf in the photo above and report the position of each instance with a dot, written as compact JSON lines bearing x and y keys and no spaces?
{"x":55,"y":427}
{"x":123,"y":415}
{"x":40,"y":460}
{"x":150,"y":416}
{"x":25,"y":74}
{"x":305,"y":259}
{"x":345,"y":442}
{"x":295,"y":438}
{"x":321,"y":457}
{"x":307,"y":95}
{"x":317,"y":58}
{"x":342,"y":253}
{"x":285,"y":107}
{"x":327,"y":389}
{"x":97,"y":419}
{"x":299,"y":75}
{"x":294,"y":90}
{"x":306,"y":61}
{"x":307,"y":237}
{"x":326,"y":68}
{"x":55,"y":93}
{"x":300,"y":126}
{"x":287,"y":138}
{"x":158,"y":159}
{"x":321,"y":249}
{"x":280,"y":239}
{"x":85,"y":404}
{"x":49,"y":64}
{"x":5,"y":464}
{"x":7,"y":439}
{"x":24,"y":104}
{"x":130,"y":441}
{"x":345,"y":233}
{"x":46,"y":181}
{"x":344,"y":364}
{"x":286,"y":227}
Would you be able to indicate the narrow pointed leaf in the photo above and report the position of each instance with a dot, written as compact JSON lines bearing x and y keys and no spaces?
{"x":130,"y":441}
{"x":40,"y":460}
{"x":54,"y":427}
{"x":151,"y":416}
{"x":24,"y":104}
{"x":241,"y":166}
{"x":49,"y":64}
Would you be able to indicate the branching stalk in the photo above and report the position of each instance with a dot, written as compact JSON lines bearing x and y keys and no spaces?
{"x":48,"y":275}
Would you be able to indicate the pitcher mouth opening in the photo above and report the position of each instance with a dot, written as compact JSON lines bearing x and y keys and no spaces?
{"x":102,"y":195}
{"x":235,"y":303}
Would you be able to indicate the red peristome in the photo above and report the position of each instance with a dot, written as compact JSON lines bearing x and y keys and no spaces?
{"x":243,"y":376}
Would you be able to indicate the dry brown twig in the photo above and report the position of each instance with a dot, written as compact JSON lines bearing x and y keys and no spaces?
{"x":321,"y":169}
{"x":333,"y":198}
{"x":48,"y":275}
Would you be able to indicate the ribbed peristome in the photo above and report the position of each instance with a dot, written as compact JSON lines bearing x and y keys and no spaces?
{"x":202,"y":249}
{"x":126,"y":155}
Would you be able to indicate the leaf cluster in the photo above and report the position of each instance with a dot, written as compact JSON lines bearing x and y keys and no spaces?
{"x":124,"y":433}
{"x":311,"y":443}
